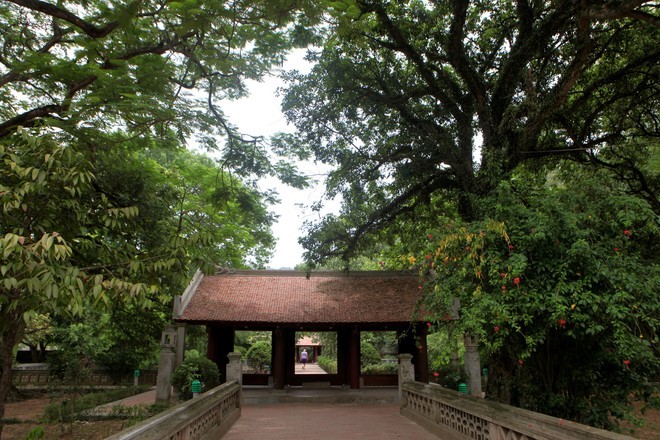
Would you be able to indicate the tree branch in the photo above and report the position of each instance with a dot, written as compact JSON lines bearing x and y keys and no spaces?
{"x":57,"y":12}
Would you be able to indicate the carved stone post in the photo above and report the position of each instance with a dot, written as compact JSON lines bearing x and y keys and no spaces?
{"x":180,"y":343}
{"x":406,"y":371}
{"x":235,"y":368}
{"x":473,"y":365}
{"x":166,"y":364}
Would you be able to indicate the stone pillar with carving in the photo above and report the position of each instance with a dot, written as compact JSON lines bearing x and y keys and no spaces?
{"x":235,"y":368}
{"x":180,"y":343}
{"x":472,"y":365}
{"x":166,"y":364}
{"x":406,"y":371}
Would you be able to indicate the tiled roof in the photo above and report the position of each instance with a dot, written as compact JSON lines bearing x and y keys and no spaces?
{"x":291,"y":297}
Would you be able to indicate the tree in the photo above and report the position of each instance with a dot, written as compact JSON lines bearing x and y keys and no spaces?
{"x":559,"y":281}
{"x":412,"y":101}
{"x":123,"y":77}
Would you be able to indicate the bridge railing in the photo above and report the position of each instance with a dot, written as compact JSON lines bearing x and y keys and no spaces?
{"x":454,"y":416}
{"x":208,"y":416}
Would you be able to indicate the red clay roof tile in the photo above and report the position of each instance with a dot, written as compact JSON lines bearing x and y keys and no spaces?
{"x":291,"y":297}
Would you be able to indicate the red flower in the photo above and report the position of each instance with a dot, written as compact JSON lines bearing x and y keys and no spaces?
{"x":436,"y":374}
{"x":510,"y":247}
{"x":516,"y":280}
{"x":561,"y":322}
{"x":428,"y":324}
{"x":503,"y":275}
{"x":496,"y":328}
{"x":626,"y":232}
{"x":626,"y":363}
{"x":520,"y":362}
{"x":420,"y":287}
{"x":428,"y":257}
{"x":503,"y":288}
{"x":429,"y":236}
{"x":616,"y":249}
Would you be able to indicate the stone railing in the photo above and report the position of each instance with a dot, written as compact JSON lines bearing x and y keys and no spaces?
{"x":208,"y":416}
{"x":451,"y":415}
{"x":27,"y":377}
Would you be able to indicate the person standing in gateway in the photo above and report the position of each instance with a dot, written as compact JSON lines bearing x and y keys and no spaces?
{"x":303,"y":358}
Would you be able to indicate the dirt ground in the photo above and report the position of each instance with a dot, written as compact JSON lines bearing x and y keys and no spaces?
{"x":29,"y":411}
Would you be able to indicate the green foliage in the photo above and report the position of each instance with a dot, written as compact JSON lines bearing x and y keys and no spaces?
{"x":69,"y":409}
{"x":381,"y":369}
{"x":561,"y":290}
{"x":36,"y":433}
{"x":327,"y":363}
{"x":259,"y":356}
{"x":385,"y":342}
{"x":440,"y":347}
{"x":368,"y":354}
{"x":449,"y":377}
{"x":195,"y":367}
{"x":423,"y":108}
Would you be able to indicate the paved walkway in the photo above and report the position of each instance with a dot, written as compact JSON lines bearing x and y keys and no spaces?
{"x":309,"y":369}
{"x":325,"y":422}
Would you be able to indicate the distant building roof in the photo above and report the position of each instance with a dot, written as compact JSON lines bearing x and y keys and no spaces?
{"x":290,"y":297}
{"x":307,"y":341}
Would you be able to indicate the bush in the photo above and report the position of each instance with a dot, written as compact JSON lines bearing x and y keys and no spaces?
{"x":381,"y":369}
{"x":259,"y":356}
{"x":328,"y":364}
{"x":69,"y":409}
{"x":195,"y":368}
{"x":448,"y":377}
{"x":368,"y":354}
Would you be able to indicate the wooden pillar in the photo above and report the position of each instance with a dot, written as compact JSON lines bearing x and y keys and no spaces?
{"x":212,"y":343}
{"x":290,"y":352}
{"x":354,"y":359}
{"x":414,"y":343}
{"x":220,"y":344}
{"x":422,"y":364}
{"x":343,"y":338}
{"x":279,"y":359}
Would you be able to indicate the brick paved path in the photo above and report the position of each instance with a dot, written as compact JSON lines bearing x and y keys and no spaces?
{"x":325,"y":422}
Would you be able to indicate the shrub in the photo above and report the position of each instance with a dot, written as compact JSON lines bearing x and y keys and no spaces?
{"x":69,"y":409}
{"x":259,"y":356}
{"x":328,"y":364}
{"x":195,"y":368}
{"x":381,"y":369}
{"x":368,"y":354}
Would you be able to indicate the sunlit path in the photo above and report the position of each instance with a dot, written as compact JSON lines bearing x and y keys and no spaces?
{"x":309,"y":369}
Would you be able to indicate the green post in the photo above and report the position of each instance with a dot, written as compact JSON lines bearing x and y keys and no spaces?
{"x":136,"y":375}
{"x":196,"y":387}
{"x":462,"y":388}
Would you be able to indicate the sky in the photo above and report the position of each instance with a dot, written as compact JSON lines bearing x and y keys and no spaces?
{"x":259,"y":114}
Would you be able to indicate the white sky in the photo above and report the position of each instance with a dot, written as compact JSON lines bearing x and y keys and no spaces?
{"x":259,"y":114}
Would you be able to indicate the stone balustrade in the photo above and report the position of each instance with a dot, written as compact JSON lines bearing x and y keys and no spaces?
{"x":208,"y":416}
{"x":454,"y":416}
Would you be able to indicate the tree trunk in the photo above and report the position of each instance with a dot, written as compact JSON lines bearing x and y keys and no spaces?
{"x":13,"y":333}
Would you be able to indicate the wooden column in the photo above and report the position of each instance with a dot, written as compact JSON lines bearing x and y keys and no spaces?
{"x":343,"y":338}
{"x":220,"y":344}
{"x":422,"y":364}
{"x":414,"y":343}
{"x":279,"y":359}
{"x":354,"y":359}
{"x":212,"y":343}
{"x":290,"y":352}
